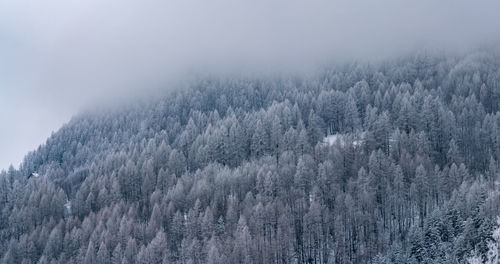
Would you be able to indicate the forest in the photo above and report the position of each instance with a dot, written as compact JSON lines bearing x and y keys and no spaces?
{"x":388,"y":162}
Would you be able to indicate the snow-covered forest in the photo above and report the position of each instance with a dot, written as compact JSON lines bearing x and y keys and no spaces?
{"x":393,"y":162}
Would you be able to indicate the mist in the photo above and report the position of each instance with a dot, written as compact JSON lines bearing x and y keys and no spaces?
{"x":59,"y":56}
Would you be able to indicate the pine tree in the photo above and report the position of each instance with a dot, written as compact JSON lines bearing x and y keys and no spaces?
{"x":117,"y":255}
{"x":492,"y":255}
{"x":90,"y":254}
{"x":422,"y":188}
{"x":103,"y":255}
{"x":260,"y":140}
{"x":242,"y":242}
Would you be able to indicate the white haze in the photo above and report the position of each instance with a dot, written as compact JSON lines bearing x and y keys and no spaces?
{"x":57,"y":56}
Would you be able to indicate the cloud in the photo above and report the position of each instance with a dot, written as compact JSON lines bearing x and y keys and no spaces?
{"x":58,"y":55}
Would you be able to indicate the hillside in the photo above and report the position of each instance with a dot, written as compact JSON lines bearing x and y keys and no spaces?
{"x":237,"y":171}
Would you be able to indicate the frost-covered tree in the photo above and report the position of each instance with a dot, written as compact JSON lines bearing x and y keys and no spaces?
{"x":236,"y":170}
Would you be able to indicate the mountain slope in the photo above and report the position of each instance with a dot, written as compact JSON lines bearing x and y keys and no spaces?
{"x":236,"y":171}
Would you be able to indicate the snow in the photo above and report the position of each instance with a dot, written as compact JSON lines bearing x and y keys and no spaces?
{"x":341,"y":139}
{"x":332,"y":139}
{"x":68,"y":206}
{"x":357,"y":142}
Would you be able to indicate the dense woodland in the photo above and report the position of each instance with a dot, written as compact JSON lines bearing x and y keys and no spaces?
{"x":236,"y":170}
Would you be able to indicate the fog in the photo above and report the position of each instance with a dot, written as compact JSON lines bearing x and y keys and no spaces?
{"x":59,"y":56}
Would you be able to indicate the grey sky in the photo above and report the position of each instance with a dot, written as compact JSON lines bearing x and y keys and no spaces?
{"x":58,"y":56}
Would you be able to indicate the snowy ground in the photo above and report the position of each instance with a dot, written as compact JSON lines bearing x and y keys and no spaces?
{"x":342,"y":139}
{"x":332,"y":139}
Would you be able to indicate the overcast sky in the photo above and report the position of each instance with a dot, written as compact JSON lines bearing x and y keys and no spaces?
{"x":59,"y":56}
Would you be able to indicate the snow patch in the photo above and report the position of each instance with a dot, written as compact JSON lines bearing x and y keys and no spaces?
{"x":68,"y":206}
{"x":332,"y":139}
{"x":343,"y":139}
